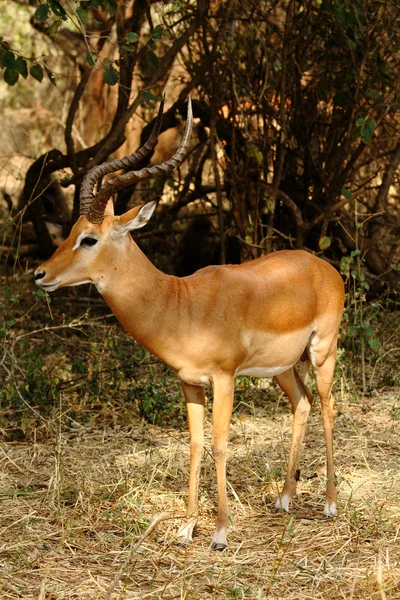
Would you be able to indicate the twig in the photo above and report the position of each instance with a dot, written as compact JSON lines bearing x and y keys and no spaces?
{"x":155,"y":521}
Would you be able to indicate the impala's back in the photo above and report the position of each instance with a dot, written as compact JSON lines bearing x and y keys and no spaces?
{"x":252,"y":319}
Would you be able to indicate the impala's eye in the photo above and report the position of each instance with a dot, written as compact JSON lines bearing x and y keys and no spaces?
{"x":89,"y":241}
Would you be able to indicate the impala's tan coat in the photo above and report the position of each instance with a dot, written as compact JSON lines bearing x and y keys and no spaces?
{"x":258,"y":318}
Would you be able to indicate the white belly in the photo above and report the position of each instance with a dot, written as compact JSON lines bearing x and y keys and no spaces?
{"x":262,"y":371}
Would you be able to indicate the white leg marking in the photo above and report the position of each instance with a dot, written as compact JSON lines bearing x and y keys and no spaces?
{"x":185,"y":531}
{"x":283,"y":502}
{"x":330,"y":509}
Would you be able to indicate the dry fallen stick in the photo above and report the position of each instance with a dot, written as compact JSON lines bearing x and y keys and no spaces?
{"x":155,"y":521}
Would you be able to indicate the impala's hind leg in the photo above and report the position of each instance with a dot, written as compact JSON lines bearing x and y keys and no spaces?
{"x":194,"y":396}
{"x":304,"y":370}
{"x":324,"y":367}
{"x":300,"y":398}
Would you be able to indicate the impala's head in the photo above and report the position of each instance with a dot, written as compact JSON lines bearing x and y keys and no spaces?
{"x":98,"y":234}
{"x":88,"y":251}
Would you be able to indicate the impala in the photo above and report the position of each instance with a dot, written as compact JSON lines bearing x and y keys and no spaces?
{"x":258,"y":319}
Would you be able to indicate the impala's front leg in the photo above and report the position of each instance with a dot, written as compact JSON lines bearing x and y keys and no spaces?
{"x":194,"y":396}
{"x":222,"y":412}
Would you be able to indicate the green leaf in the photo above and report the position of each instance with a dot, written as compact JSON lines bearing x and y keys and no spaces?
{"x":58,"y":10}
{"x":372,"y":94}
{"x":176,"y":7}
{"x":37,"y":72}
{"x":366,"y":134}
{"x":132,"y":37}
{"x":11,"y":76}
{"x":148,"y":96}
{"x":171,"y":183}
{"x":42,"y":12}
{"x":50,"y":75}
{"x":157,"y":33}
{"x":83,"y":15}
{"x":54,"y":27}
{"x":40,"y":294}
{"x":112,"y":7}
{"x":345,"y":264}
{"x":128,"y":48}
{"x":91,"y":58}
{"x":369,"y":330}
{"x":22,"y":66}
{"x":255,"y":153}
{"x":347,"y":194}
{"x":385,"y":69}
{"x":324,"y":242}
{"x":353,"y":329}
{"x":360,"y":122}
{"x":277,"y":65}
{"x":374,"y":343}
{"x":111,"y":75}
{"x":152,"y":59}
{"x":372,"y":126}
{"x":7,"y":59}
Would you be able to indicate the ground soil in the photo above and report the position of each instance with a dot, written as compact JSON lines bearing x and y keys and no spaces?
{"x":75,"y":501}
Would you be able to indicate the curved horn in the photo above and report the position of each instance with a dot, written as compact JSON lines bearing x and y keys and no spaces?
{"x":99,"y":171}
{"x":97,"y":208}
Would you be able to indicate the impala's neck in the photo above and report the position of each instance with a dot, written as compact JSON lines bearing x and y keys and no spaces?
{"x":139,"y":295}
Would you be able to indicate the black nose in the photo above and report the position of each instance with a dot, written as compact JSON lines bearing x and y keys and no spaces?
{"x":40,"y":275}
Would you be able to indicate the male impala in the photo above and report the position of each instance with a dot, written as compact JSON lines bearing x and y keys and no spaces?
{"x":258,"y":319}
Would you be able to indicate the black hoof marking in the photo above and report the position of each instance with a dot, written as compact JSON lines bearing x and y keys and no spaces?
{"x":280,"y":510}
{"x":219,"y":547}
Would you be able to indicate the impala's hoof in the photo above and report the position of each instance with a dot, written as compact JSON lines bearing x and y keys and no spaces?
{"x":218,"y":546}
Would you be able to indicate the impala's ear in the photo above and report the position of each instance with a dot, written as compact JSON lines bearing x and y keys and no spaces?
{"x":109,"y":208}
{"x":136,"y":217}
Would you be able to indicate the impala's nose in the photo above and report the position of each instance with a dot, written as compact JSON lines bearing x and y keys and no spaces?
{"x":39,"y":275}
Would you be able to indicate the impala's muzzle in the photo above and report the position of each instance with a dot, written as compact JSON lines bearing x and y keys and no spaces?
{"x":40,"y":274}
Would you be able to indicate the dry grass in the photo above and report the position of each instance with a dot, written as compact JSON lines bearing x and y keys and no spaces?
{"x":74,"y":504}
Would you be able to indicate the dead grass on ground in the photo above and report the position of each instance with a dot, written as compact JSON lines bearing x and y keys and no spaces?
{"x":75,"y":502}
